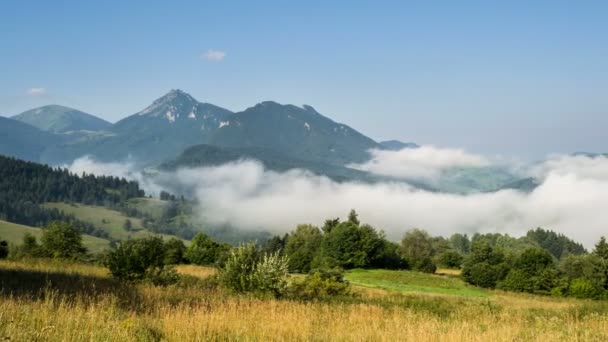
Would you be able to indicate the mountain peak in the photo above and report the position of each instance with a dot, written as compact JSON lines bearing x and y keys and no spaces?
{"x":61,"y":119}
{"x":172,"y":105}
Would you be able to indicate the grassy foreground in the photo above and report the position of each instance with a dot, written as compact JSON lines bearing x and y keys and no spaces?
{"x":49,"y":301}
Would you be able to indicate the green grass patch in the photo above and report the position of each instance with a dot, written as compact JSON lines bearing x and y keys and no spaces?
{"x":407,"y":281}
{"x":13,"y":233}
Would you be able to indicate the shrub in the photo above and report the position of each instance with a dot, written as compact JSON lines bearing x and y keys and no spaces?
{"x":29,"y":248}
{"x":141,"y":259}
{"x":247,"y":270}
{"x":319,"y":285}
{"x":583,"y":288}
{"x":450,"y":259}
{"x":174,"y":251}
{"x":62,"y":240}
{"x":3,"y":249}
{"x":203,"y":250}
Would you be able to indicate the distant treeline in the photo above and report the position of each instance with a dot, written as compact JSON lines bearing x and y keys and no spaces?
{"x":25,"y":185}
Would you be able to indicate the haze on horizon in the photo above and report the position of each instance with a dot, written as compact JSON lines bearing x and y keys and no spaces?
{"x":514,"y":79}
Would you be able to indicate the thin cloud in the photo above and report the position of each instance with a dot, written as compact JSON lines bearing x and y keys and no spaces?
{"x":36,"y":91}
{"x":213,"y":55}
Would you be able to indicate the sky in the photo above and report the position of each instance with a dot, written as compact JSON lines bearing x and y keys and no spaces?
{"x":515,"y":78}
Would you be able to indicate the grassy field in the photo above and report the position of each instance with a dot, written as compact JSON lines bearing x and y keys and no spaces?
{"x":110,"y":221}
{"x":404,"y":282}
{"x":151,"y":206}
{"x":48,"y":301}
{"x":13,"y":233}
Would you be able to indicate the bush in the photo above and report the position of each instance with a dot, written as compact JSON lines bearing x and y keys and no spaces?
{"x":450,"y":259}
{"x":29,"y":248}
{"x":141,"y":259}
{"x":425,"y":265}
{"x":3,"y":249}
{"x":319,"y":285}
{"x":62,"y":240}
{"x":174,"y":251}
{"x":583,"y":288}
{"x":203,"y":250}
{"x":247,"y":270}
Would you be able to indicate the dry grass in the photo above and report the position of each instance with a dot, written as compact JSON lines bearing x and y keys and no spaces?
{"x":196,"y":271}
{"x":197,"y":314}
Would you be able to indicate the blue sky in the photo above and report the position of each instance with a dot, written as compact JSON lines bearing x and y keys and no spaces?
{"x":514,"y":78}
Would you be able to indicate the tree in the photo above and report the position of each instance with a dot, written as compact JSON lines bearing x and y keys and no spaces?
{"x":533,"y":271}
{"x":276,"y":244}
{"x":203,"y":250}
{"x":353,"y":217}
{"x":62,"y":240}
{"x":460,"y":243}
{"x":485,"y":266}
{"x":174,"y":252}
{"x":140,"y":259}
{"x":302,"y":246}
{"x":450,"y":259}
{"x":127,"y":225}
{"x":3,"y":249}
{"x":601,"y":248}
{"x":417,"y":249}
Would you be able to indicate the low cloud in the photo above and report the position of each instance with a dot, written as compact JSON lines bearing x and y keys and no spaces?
{"x":213,"y":55}
{"x":36,"y":91}
{"x":571,"y":200}
{"x":423,"y":163}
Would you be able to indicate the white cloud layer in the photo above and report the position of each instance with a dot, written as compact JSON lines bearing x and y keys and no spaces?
{"x":570,"y":200}
{"x":36,"y":91}
{"x":214,"y":55}
{"x":425,"y":162}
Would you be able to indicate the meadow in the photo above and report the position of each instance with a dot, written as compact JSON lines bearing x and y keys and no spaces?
{"x":43,"y":300}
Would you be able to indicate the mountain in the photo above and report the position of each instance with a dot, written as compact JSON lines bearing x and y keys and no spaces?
{"x":23,"y":141}
{"x":60,"y":119}
{"x":157,"y":133}
{"x":396,"y":145}
{"x":208,"y":155}
{"x":300,"y":132}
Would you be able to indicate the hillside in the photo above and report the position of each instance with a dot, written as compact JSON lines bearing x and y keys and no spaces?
{"x":107,"y":220}
{"x":13,"y":233}
{"x":60,"y":119}
{"x":23,"y":141}
{"x":208,"y":155}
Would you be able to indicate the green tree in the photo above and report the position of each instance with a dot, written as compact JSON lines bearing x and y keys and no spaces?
{"x":302,"y":246}
{"x":533,"y":271}
{"x":174,"y":251}
{"x":485,"y":266}
{"x":203,"y":250}
{"x":138,"y":259}
{"x":601,"y":248}
{"x":450,"y":259}
{"x":460,"y":243}
{"x":128,"y":225}
{"x":417,"y":249}
{"x":353,"y":217}
{"x":62,"y":240}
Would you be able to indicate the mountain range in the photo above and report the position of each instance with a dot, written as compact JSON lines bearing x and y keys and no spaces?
{"x":177,"y":130}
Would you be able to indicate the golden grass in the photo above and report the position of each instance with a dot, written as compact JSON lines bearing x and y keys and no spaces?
{"x":196,"y":271}
{"x":448,"y":271}
{"x":198,"y":314}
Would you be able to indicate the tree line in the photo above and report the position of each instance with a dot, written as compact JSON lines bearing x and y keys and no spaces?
{"x":25,"y":185}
